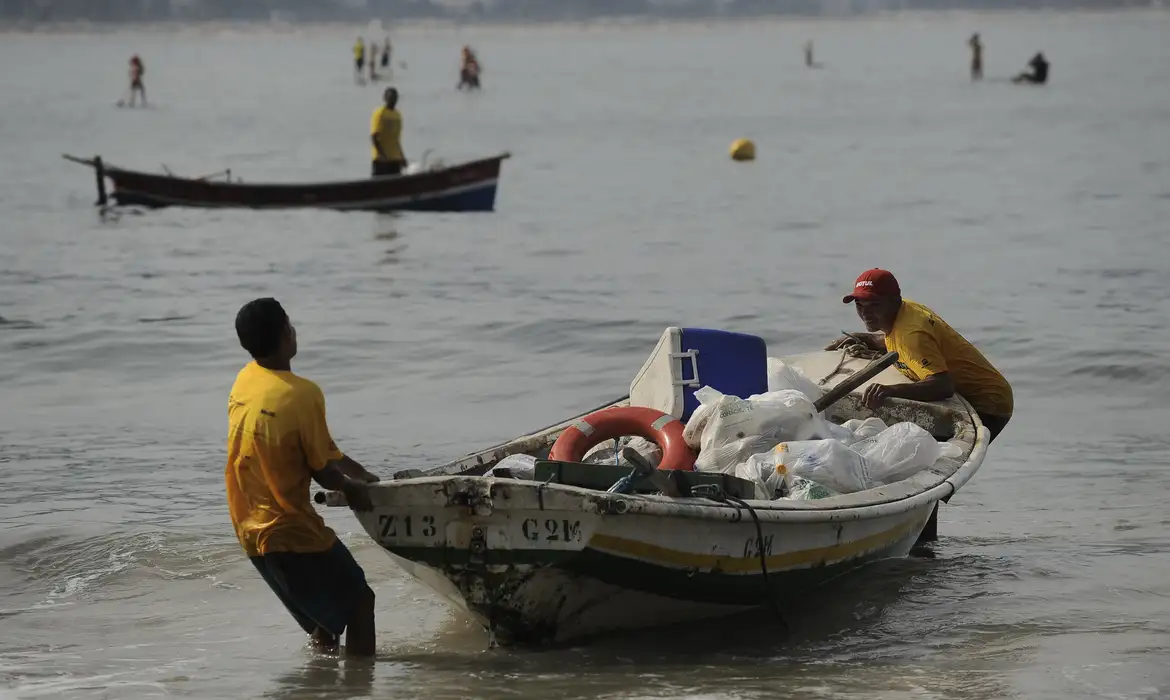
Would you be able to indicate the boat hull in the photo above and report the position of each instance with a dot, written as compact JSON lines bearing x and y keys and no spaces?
{"x":575,"y":568}
{"x":469,"y":187}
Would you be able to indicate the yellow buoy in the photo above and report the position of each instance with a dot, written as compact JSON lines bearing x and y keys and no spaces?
{"x":743,"y":149}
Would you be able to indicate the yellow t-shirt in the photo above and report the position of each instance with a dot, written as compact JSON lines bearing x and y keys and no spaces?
{"x":926,"y":345}
{"x":386,"y":126}
{"x":359,"y":50}
{"x":277,"y":436}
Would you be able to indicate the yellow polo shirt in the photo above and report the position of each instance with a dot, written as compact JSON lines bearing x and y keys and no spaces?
{"x":386,"y":126}
{"x":927,"y":345}
{"x":277,"y":437}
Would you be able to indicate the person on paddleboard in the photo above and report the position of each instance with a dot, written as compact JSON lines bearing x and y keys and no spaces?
{"x":359,"y":58}
{"x":277,"y":441}
{"x":1039,"y":74}
{"x":938,"y":360}
{"x":137,"y":70}
{"x":809,"y":62}
{"x":386,"y":135}
{"x":468,"y":70}
{"x":976,"y":45}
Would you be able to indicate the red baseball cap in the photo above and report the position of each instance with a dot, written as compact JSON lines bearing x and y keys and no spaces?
{"x":874,"y":284}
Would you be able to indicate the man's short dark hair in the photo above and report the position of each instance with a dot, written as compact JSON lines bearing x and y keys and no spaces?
{"x":260,"y":325}
{"x":391,"y":97}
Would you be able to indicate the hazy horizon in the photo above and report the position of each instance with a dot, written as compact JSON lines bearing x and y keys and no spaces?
{"x":20,"y":14}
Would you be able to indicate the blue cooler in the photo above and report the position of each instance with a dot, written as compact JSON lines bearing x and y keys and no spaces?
{"x":686,"y":359}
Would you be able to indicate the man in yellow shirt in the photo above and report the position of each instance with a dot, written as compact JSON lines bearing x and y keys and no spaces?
{"x":277,"y":441}
{"x":386,"y":135}
{"x":930,"y":352}
{"x":359,"y":58}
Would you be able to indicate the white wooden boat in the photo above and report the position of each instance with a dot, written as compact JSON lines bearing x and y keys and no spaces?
{"x":536,"y":562}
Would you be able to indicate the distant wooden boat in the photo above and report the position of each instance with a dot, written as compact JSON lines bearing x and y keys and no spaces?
{"x":466,"y":187}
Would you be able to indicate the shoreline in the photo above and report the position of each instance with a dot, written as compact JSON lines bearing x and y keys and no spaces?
{"x":448,"y":25}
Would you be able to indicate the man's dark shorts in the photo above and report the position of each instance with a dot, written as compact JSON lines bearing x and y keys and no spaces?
{"x":994,"y":424}
{"x":320,"y":589}
{"x":383,"y":167}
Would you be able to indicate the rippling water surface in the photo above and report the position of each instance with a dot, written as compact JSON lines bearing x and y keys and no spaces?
{"x":1034,"y":220}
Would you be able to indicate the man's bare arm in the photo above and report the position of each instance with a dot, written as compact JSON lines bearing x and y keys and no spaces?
{"x":357,"y":493}
{"x":351,"y":468}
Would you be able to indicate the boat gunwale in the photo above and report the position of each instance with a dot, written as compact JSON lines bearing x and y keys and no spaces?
{"x":113,"y":171}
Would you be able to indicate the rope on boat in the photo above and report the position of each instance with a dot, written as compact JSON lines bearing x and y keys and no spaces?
{"x":715,"y":493}
{"x":855,"y":348}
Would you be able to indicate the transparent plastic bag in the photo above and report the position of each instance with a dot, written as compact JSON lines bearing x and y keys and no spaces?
{"x":826,"y":462}
{"x":863,"y":429}
{"x":726,"y":458}
{"x":802,"y":489}
{"x":949,"y":450}
{"x":774,"y":414}
{"x":782,"y":376}
{"x":606,"y":453}
{"x":693,"y":432}
{"x":899,"y":452}
{"x":515,"y":466}
{"x":818,"y":428}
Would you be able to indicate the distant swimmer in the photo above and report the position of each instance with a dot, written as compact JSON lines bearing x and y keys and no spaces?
{"x":808,"y":56}
{"x":976,"y":56}
{"x":1039,"y":74}
{"x":386,"y":135}
{"x":137,"y":70}
{"x":469,"y":70}
{"x":386,"y":53}
{"x":359,"y":58}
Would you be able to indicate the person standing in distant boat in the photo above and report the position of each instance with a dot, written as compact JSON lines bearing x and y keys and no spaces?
{"x":386,"y":135}
{"x":976,"y":45}
{"x":137,"y":70}
{"x":278,"y":441}
{"x":359,"y":58}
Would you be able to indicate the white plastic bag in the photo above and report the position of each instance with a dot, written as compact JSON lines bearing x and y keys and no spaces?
{"x":782,"y":376}
{"x":807,"y":469}
{"x":520,"y":467}
{"x":899,"y":452}
{"x":818,"y":428}
{"x":949,"y":450}
{"x":827,"y":462}
{"x":863,"y":429}
{"x":606,"y":454}
{"x":726,"y":458}
{"x":802,"y":489}
{"x":775,"y":414}
{"x":693,"y":432}
{"x":756,"y":474}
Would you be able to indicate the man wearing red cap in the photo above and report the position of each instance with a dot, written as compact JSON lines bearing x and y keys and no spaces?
{"x":931,"y":353}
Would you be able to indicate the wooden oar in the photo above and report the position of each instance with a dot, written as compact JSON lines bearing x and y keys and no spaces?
{"x":855,"y":380}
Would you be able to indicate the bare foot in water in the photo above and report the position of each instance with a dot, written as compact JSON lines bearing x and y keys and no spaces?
{"x":323,"y":641}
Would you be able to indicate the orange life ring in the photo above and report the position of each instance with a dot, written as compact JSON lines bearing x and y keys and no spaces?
{"x":610,"y":423}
